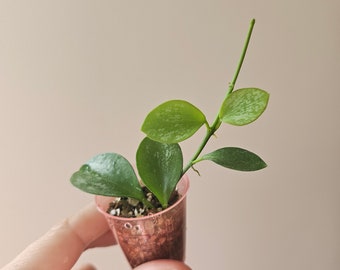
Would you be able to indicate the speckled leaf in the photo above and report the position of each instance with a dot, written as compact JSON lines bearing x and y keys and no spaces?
{"x":173,"y":121}
{"x":244,"y":106}
{"x":236,"y":159}
{"x":160,"y":167}
{"x":108,"y":174}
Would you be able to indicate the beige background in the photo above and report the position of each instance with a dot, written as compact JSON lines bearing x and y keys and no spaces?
{"x":78,"y":77}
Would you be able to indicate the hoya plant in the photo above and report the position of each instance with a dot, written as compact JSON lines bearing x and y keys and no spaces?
{"x":159,"y":158}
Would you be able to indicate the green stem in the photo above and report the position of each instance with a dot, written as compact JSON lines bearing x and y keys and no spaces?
{"x":243,"y":55}
{"x":216,"y":124}
{"x":147,"y":203}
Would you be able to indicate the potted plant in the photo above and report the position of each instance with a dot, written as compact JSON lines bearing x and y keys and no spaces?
{"x":147,"y":212}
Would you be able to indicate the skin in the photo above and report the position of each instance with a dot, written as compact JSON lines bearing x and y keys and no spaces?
{"x":62,"y":245}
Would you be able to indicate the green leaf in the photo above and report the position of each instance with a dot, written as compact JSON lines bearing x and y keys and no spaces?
{"x":173,"y":121}
{"x":244,"y":106}
{"x":236,"y":159}
{"x":108,"y":174}
{"x":160,"y":167}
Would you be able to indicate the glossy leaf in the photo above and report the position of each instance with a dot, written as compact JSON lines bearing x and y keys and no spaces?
{"x":173,"y":121}
{"x":108,"y":174}
{"x":160,"y":167}
{"x":236,"y":159}
{"x":244,"y":106}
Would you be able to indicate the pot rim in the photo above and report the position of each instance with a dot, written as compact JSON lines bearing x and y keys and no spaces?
{"x":100,"y":204}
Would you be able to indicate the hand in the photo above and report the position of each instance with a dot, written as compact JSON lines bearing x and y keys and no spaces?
{"x":61,"y":246}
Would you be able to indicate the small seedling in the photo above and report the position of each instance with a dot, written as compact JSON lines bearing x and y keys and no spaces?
{"x":159,"y":158}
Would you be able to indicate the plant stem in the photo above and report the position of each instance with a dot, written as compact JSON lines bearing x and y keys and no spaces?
{"x":147,"y":203}
{"x":216,"y":124}
{"x":244,"y":51}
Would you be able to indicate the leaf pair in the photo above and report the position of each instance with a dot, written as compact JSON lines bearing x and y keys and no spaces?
{"x":110,"y":174}
{"x":177,"y":120}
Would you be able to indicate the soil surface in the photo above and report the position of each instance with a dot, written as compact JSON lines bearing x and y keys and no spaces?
{"x":131,"y":208}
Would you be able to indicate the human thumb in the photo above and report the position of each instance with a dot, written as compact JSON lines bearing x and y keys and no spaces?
{"x":163,"y":265}
{"x":86,"y":267}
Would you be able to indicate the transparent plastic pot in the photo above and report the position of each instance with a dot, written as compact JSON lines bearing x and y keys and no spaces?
{"x":157,"y":236}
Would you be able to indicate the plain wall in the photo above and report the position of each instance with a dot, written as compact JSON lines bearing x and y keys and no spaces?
{"x":77,"y":78}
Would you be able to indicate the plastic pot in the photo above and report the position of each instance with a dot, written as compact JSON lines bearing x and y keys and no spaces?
{"x":157,"y":236}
